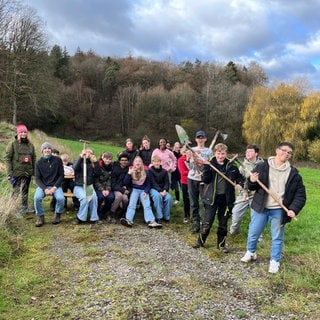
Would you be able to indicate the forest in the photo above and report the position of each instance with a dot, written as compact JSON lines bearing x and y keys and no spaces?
{"x":112,"y":98}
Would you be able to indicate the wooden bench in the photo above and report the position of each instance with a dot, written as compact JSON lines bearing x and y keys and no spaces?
{"x":68,"y":194}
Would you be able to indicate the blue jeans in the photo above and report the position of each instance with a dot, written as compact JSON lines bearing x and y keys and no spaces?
{"x":162,"y":204}
{"x":39,"y":196}
{"x":108,"y":200}
{"x":90,"y":205}
{"x":145,"y":201}
{"x":257,"y":225}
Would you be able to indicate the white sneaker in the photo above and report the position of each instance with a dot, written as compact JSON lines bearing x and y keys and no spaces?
{"x":274,"y":266}
{"x":249,"y":256}
{"x":154,"y":224}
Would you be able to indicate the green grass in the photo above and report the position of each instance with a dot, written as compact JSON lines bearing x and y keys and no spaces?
{"x":75,"y":147}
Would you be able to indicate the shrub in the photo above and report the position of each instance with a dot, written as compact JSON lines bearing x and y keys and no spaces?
{"x":314,"y":151}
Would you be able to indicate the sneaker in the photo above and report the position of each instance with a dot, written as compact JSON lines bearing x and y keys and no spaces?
{"x":249,"y":256}
{"x":126,"y":222}
{"x":197,"y":245}
{"x":154,"y":224}
{"x":26,"y":210}
{"x":77,"y":221}
{"x":223,"y":249}
{"x":274,"y":266}
{"x":29,"y":210}
{"x":176,"y":202}
{"x":96,"y":222}
{"x":185,"y":220}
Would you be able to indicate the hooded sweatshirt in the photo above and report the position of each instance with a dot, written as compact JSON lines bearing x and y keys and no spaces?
{"x":278,"y":179}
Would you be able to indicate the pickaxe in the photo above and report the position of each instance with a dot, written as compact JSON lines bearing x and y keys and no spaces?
{"x":224,"y":136}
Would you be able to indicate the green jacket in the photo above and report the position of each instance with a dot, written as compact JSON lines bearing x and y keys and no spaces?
{"x":20,"y":158}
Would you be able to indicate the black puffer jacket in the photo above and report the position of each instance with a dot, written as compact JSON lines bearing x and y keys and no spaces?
{"x":117,"y":177}
{"x":93,"y":171}
{"x":295,"y":192}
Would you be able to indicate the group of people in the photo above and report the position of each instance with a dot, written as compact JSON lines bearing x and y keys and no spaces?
{"x":102,"y":188}
{"x":271,"y":188}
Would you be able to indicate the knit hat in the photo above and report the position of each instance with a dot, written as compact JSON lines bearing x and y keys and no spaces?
{"x":21,"y":128}
{"x":46,"y":145}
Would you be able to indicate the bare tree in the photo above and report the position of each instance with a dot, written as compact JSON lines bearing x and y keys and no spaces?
{"x":22,"y":44}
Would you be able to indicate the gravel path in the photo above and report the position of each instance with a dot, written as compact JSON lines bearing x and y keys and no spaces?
{"x":141,"y":273}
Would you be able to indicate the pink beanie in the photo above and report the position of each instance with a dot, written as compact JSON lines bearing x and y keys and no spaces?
{"x":21,"y":128}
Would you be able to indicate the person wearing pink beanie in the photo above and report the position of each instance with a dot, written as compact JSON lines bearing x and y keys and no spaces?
{"x":20,"y":158}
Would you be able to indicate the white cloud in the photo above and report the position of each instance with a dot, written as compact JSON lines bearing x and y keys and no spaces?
{"x":283,"y":39}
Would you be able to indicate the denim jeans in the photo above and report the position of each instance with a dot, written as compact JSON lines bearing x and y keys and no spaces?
{"x":86,"y":206}
{"x":162,"y":204}
{"x":38,"y":204}
{"x":257,"y":225}
{"x":145,"y":201}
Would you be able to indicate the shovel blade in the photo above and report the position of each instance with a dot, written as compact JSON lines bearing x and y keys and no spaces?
{"x":182,"y":135}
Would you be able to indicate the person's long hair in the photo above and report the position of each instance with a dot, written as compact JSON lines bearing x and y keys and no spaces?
{"x":140,"y":174}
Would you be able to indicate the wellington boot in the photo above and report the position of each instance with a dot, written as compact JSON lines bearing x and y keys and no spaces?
{"x":56,"y":219}
{"x":40,"y":221}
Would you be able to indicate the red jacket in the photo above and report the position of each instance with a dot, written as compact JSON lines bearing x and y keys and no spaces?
{"x":183,"y":169}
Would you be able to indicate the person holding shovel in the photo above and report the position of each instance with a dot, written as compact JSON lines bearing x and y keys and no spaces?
{"x":194,"y":176}
{"x":218,"y":195}
{"x":86,"y":169}
{"x":280,"y":195}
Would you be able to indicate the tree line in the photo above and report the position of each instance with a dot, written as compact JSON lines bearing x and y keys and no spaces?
{"x":111,"y":98}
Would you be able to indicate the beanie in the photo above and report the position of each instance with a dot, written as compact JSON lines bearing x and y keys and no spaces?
{"x":21,"y":128}
{"x":46,"y":145}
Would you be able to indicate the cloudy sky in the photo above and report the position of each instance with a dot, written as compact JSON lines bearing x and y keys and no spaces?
{"x":282,"y":36}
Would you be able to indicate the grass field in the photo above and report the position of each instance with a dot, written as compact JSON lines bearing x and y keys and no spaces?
{"x":25,"y":267}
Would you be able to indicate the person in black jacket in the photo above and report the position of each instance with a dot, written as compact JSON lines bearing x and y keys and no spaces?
{"x":218,"y":196}
{"x":102,"y":186}
{"x":130,"y":150}
{"x":284,"y":184}
{"x":120,"y":190}
{"x":49,"y":175}
{"x":145,"y":151}
{"x":159,"y":192}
